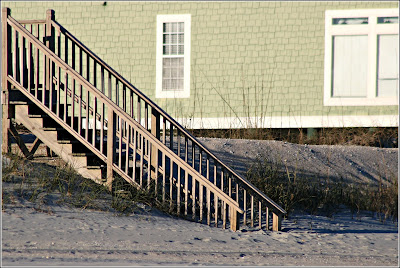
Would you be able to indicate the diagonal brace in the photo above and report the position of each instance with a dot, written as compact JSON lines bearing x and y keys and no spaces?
{"x":21,"y":144}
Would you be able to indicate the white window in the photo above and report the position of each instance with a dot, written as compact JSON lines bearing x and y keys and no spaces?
{"x":173,"y":56}
{"x":361,"y":57}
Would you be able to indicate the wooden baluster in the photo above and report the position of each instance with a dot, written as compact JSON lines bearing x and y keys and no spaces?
{"x":135,"y":145}
{"x":156,"y":176}
{"x":267,"y":219}
{"x":178,"y":195}
{"x":124,"y":98}
{"x":111,"y":133}
{"x":237,"y":192}
{"x":117,"y":92}
{"x":216,"y":210}
{"x":201,"y":201}
{"x":186,"y":192}
{"x":193,"y":198}
{"x":146,"y":116}
{"x":66,"y":49}
{"x":193,"y":155}
{"x":208,"y":168}
{"x":164,"y":157}
{"x":29,"y":65}
{"x":15,"y":63}
{"x":94,"y":120}
{"x":21,"y":60}
{"x":58,"y":92}
{"x":223,"y":215}
{"x":80,"y":110}
{"x":208,"y":207}
{"x":244,"y":207}
{"x":102,"y":117}
{"x":150,"y":159}
{"x":45,"y":78}
{"x":141,"y":160}
{"x":73,"y":54}
{"x":259,"y":215}
{"x":66,"y":96}
{"x":222,"y":179}
{"x":178,"y":138}
{"x":229,"y":185}
{"x":109,"y":86}
{"x":103,"y":85}
{"x":139,"y":111}
{"x":171,"y":183}
{"x":87,"y":114}
{"x":37,"y":61}
{"x":87,"y":67}
{"x":215,"y":196}
{"x":73,"y":103}
{"x":171,"y":137}
{"x":127,"y":146}
{"x":164,"y":130}
{"x":120,"y":126}
{"x":200,"y":162}
{"x":252,"y":211}
{"x":131,"y":104}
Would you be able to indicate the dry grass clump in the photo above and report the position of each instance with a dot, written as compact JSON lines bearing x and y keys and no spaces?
{"x":378,"y":137}
{"x":46,"y":185}
{"x":324,"y":197}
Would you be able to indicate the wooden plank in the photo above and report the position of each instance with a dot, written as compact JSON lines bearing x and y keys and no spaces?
{"x":94,"y":120}
{"x":244,"y":207}
{"x":20,"y":142}
{"x":110,"y":147}
{"x":5,"y":65}
{"x":252,"y":211}
{"x":58,"y":92}
{"x":65,"y":96}
{"x":135,"y":146}
{"x":208,"y":207}
{"x":73,"y":104}
{"x":276,"y":222}
{"x":87,"y":115}
{"x":141,"y":161}
{"x":164,"y":157}
{"x":233,"y":219}
{"x":267,"y":218}
{"x":186,"y":191}
{"x":128,"y":138}
{"x":216,"y":210}
{"x":178,"y":195}
{"x":259,"y":215}
{"x":120,"y":126}
{"x":171,"y":184}
{"x":193,"y":198}
{"x":139,"y":111}
{"x":201,"y":201}
{"x":150,"y":159}
{"x":178,"y":141}
{"x":223,"y":214}
{"x":80,"y":109}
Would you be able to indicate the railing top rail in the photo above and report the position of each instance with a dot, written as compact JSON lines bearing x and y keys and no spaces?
{"x":31,"y":21}
{"x":117,"y":109}
{"x":167,"y":116}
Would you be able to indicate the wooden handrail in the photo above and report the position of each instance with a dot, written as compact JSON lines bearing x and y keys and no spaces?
{"x":248,"y":184}
{"x":119,"y":112}
{"x":31,"y":21}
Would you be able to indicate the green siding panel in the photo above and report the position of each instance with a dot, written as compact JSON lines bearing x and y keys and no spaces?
{"x":247,"y":58}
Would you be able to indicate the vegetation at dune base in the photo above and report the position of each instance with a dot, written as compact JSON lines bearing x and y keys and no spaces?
{"x":377,"y":137}
{"x":324,"y":196}
{"x":44,"y":185}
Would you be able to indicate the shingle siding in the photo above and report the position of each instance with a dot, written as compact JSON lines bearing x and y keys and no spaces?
{"x":247,"y":58}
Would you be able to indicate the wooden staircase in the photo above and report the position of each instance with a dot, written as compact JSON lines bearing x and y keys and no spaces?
{"x":104,"y":127}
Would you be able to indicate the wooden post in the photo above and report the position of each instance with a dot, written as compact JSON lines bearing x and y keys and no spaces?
{"x":155,"y":131}
{"x":276,"y":222}
{"x":233,"y":219}
{"x":6,"y":55}
{"x":50,"y":15}
{"x":111,"y":133}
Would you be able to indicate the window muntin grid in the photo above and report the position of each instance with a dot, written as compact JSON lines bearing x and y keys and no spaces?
{"x":173,"y":56}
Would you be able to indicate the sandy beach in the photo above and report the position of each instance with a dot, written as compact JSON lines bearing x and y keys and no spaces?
{"x":57,"y":234}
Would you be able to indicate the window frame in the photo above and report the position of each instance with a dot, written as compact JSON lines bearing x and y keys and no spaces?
{"x":186,"y":19}
{"x":373,"y":30}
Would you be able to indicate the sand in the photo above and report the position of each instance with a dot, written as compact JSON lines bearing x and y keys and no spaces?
{"x":59,"y":235}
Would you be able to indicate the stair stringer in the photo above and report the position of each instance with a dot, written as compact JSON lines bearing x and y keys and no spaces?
{"x":49,"y":138}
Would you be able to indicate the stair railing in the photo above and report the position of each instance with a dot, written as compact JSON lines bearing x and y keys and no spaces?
{"x":25,"y":53}
{"x":163,"y":127}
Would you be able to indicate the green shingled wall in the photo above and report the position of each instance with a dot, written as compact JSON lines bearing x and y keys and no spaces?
{"x":247,"y":58}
